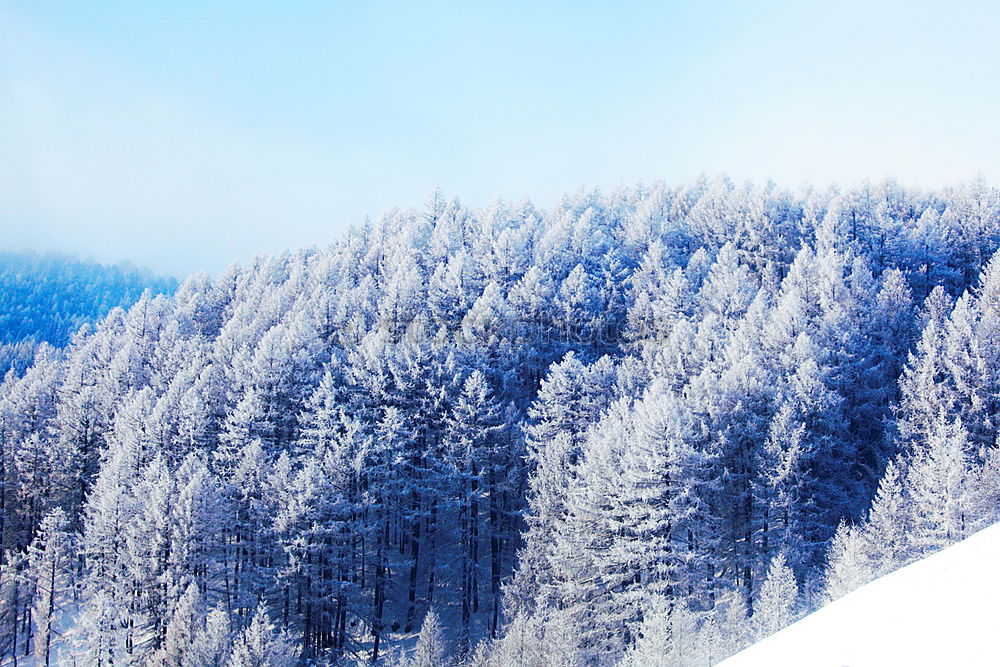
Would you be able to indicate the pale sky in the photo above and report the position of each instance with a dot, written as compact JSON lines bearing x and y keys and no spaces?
{"x":185,"y":135}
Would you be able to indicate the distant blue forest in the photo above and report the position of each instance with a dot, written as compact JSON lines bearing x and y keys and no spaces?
{"x":45,"y":298}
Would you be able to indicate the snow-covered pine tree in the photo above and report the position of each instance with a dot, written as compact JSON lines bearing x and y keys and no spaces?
{"x":938,"y":487}
{"x":848,"y":563}
{"x":569,"y":400}
{"x":211,"y":645}
{"x":186,"y":623}
{"x":777,"y":601}
{"x":261,"y":644}
{"x":15,"y":606}
{"x":472,"y":436}
{"x":887,"y":533}
{"x":431,"y":649}
{"x":51,"y":567}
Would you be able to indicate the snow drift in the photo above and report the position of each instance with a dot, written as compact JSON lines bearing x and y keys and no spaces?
{"x":932,"y":612}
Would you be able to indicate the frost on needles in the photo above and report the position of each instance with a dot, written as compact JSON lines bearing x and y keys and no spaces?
{"x":644,"y":427}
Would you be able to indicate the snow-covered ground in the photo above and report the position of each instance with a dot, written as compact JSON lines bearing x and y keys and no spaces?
{"x":941,"y":610}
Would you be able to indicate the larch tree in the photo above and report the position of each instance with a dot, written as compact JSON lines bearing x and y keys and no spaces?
{"x":261,"y":644}
{"x":938,"y":487}
{"x":777,"y":601}
{"x":52,"y":567}
{"x":431,"y":650}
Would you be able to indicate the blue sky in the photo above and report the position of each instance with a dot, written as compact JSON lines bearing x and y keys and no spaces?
{"x":185,"y":135}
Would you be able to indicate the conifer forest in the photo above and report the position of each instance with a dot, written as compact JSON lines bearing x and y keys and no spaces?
{"x":647,"y":426}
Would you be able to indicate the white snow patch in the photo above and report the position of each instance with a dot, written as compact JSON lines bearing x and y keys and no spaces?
{"x":938,"y":611}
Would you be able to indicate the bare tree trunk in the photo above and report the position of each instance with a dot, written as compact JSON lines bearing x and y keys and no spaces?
{"x":432,"y":563}
{"x":380,"y":574}
{"x":415,"y":506}
{"x":495,"y":543}
{"x":474,"y":541}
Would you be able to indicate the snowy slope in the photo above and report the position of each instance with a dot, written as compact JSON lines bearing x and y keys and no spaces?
{"x":938,"y":611}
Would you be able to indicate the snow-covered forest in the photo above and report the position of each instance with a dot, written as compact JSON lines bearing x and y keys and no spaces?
{"x":638,"y":428}
{"x":47,"y":298}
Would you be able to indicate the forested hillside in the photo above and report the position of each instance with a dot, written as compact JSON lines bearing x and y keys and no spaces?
{"x":639,"y":427}
{"x":47,"y":298}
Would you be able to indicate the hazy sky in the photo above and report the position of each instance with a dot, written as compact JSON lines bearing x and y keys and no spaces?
{"x":184,"y":135}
